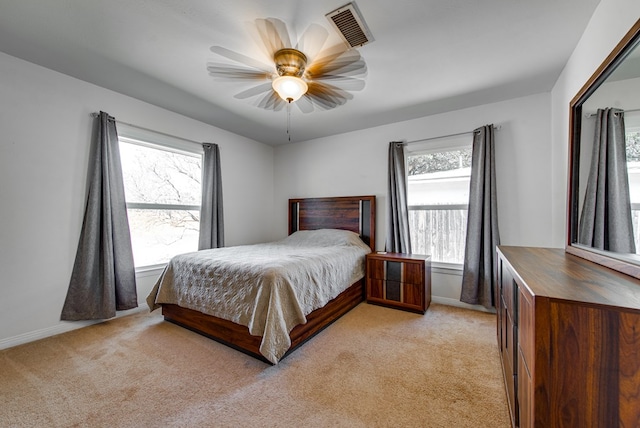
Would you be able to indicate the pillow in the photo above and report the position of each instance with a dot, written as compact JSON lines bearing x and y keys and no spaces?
{"x":324,"y":238}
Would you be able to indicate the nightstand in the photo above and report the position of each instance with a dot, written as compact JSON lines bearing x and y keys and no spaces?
{"x":401,"y":281}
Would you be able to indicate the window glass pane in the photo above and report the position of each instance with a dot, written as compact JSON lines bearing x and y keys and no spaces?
{"x":158,"y":235}
{"x":164,"y":177}
{"x":633,"y":165}
{"x":159,"y":176}
{"x":439,"y":233}
{"x":441,"y":161}
{"x":443,"y":191}
{"x":438,"y":179}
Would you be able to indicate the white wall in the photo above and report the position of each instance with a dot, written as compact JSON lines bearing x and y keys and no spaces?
{"x":44,"y":150}
{"x":609,"y":23}
{"x":355,"y":164}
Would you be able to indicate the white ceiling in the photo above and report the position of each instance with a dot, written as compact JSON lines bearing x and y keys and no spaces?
{"x":427,"y":57}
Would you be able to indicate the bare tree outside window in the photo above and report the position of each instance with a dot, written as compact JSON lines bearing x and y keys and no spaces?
{"x":438,"y":161}
{"x":163,"y":193}
{"x":632,"y":139}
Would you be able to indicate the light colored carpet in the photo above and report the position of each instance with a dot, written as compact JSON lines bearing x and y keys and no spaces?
{"x":374,"y":367}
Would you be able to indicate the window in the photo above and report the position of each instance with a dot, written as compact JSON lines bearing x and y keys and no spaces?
{"x":163,"y":193}
{"x":438,"y":197}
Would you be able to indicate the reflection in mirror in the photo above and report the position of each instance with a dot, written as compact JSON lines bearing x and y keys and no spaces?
{"x":604,"y":204}
{"x":609,"y":186}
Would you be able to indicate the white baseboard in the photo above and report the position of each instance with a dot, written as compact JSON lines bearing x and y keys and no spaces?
{"x":453,"y":302}
{"x":63,"y":327}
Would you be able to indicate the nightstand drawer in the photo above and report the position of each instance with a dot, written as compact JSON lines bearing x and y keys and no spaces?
{"x":394,"y":270}
{"x":402,"y":292}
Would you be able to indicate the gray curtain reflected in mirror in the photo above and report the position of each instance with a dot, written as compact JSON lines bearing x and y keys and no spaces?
{"x":605,"y":220}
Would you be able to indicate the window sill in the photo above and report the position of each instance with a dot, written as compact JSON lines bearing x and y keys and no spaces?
{"x":152,"y":270}
{"x":447,"y":268}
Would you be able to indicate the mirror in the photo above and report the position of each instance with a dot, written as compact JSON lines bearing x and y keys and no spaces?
{"x":615,"y":85}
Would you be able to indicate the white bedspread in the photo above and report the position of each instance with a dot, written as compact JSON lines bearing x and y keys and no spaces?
{"x":270,"y":288}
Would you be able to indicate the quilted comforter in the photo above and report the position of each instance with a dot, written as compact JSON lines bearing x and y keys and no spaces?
{"x":269,"y":288}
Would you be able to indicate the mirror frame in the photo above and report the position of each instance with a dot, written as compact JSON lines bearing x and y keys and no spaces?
{"x":604,"y":258}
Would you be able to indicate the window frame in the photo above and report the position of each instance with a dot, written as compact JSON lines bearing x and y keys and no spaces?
{"x":129,"y":134}
{"x":436,"y":145}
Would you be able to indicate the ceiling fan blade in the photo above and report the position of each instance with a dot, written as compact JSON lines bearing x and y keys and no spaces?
{"x":274,"y":34}
{"x":327,"y":96}
{"x":328,"y":55}
{"x":305,"y":104}
{"x":272,"y":101}
{"x":231,"y":72}
{"x":242,"y":59}
{"x":319,"y":102}
{"x":338,"y":62}
{"x":347,"y":68}
{"x":312,"y":41}
{"x":256,"y":90}
{"x":343,"y":82}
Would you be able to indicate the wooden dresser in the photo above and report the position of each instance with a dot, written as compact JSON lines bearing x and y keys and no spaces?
{"x":569,"y":338}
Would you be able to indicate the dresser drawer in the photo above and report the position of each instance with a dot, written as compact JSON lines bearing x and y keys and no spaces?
{"x":527,"y":330}
{"x":509,"y":290}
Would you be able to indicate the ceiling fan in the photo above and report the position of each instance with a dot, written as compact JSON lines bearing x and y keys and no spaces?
{"x":307,"y":74}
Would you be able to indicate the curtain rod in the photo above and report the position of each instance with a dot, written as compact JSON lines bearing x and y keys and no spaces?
{"x":95,"y":115}
{"x":623,"y":111}
{"x":496,"y":127}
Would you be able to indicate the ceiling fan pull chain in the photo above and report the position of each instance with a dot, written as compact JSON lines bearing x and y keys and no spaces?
{"x":289,"y":120}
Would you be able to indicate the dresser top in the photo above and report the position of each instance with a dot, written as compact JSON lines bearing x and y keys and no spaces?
{"x":552,"y":273}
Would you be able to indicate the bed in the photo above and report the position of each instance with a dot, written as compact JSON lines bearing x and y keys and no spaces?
{"x":280,"y":300}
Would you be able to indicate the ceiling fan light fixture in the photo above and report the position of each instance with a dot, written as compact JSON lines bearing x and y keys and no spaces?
{"x":325,"y":82}
{"x":290,"y":88}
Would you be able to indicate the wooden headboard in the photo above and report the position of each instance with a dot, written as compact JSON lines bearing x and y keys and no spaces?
{"x":354,"y":213}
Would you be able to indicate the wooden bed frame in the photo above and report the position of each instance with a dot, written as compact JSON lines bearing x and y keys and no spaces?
{"x":354,"y":213}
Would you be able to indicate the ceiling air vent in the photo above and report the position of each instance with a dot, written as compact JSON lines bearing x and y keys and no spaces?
{"x":350,"y":24}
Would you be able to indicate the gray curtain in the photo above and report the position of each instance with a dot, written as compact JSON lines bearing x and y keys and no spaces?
{"x":398,"y":238}
{"x":605,"y":221}
{"x":103,"y":278}
{"x":211,"y":216}
{"x":480,"y":258}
